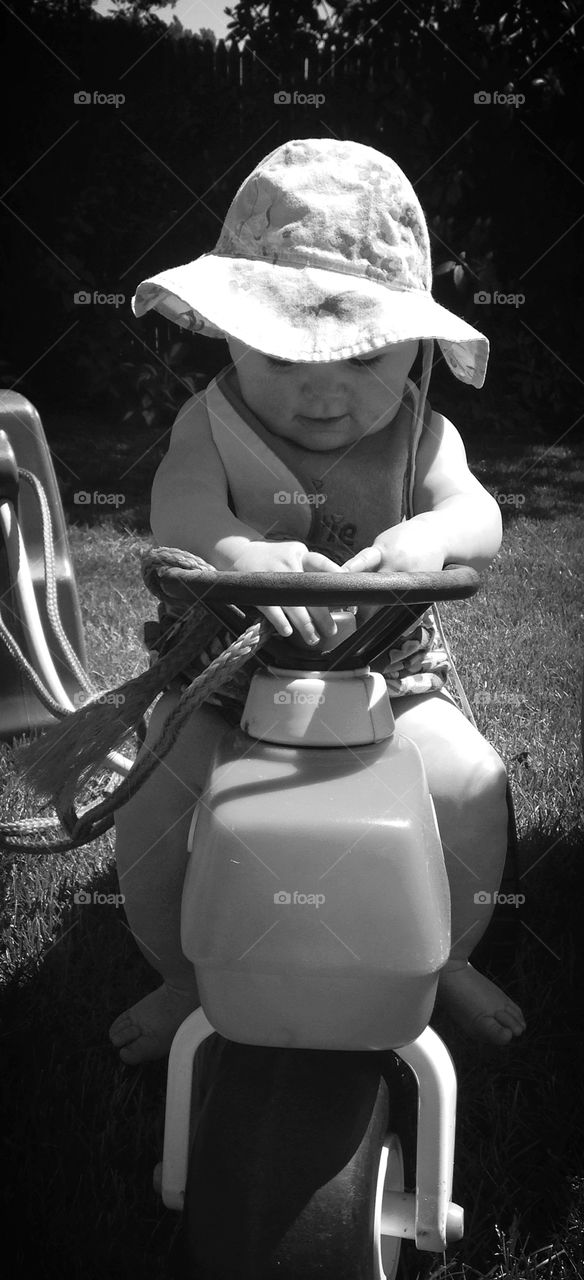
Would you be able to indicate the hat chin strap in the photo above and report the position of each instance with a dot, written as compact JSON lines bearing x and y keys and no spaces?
{"x":427,"y":360}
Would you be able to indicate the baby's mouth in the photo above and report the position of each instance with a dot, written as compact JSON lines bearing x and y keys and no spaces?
{"x":329,"y":421}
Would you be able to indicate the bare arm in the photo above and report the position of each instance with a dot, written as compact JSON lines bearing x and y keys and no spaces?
{"x":190,"y":510}
{"x":451,"y":502}
{"x":189,"y":506}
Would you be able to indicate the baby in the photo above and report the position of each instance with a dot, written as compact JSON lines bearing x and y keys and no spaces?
{"x":314,"y":451}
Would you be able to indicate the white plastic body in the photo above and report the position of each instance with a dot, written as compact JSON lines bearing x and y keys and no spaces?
{"x":318,"y":708}
{"x":315,"y":905}
{"x":426,"y":1216}
{"x":177,"y":1119}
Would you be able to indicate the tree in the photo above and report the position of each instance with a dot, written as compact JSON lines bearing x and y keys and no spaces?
{"x":278,"y":23}
{"x":141,"y":8}
{"x":74,"y":9}
{"x":523,"y":34}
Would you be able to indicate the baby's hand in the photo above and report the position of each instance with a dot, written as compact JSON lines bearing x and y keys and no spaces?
{"x":291,"y":557}
{"x":409,"y":547}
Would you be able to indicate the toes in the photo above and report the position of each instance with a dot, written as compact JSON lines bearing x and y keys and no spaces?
{"x":500,"y":1027}
{"x":123,"y":1032}
{"x":487,"y":1027}
{"x":132,"y":1055}
{"x":512,"y":1018}
{"x":120,"y":1022}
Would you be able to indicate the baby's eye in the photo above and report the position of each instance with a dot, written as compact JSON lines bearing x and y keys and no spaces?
{"x":358,"y":361}
{"x":364,"y":364}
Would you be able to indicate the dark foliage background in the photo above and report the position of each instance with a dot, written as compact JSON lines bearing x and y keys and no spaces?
{"x":98,"y":196}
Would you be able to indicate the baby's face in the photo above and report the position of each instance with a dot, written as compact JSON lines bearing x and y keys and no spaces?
{"x":324,"y":406}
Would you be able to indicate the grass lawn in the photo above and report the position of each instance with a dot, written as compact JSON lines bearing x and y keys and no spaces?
{"x":83,"y":1132}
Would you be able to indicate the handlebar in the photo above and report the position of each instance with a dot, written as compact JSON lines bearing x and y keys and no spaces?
{"x":455,"y":582}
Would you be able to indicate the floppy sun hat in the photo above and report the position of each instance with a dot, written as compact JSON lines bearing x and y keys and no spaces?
{"x":324,"y":255}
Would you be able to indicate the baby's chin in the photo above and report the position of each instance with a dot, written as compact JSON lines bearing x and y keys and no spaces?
{"x":320,"y":437}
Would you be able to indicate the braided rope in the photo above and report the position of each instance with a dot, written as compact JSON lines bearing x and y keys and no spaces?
{"x":193,"y":696}
{"x":97,"y":819}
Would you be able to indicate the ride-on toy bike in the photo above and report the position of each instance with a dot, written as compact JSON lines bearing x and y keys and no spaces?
{"x":316,"y":913}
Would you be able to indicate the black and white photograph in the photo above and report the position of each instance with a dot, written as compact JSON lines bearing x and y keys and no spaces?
{"x":292,"y":639}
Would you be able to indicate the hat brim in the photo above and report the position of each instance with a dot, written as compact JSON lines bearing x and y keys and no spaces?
{"x":307,"y":314}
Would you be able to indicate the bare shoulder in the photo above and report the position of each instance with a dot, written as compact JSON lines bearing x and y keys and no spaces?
{"x":191,"y":454}
{"x":191,"y":418}
{"x":440,"y":433}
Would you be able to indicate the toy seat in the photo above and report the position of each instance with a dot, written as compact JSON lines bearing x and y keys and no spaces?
{"x":23,"y":444}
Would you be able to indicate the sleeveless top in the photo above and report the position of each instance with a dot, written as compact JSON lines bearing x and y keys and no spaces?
{"x":335,"y":501}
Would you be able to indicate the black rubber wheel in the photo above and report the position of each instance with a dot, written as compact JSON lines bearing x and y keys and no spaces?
{"x":284,"y":1167}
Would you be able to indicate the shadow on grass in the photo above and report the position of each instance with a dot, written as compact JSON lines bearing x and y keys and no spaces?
{"x":84,"y":1131}
{"x":520,"y":1162}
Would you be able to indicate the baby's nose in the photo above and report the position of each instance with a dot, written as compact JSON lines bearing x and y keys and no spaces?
{"x":329,"y":382}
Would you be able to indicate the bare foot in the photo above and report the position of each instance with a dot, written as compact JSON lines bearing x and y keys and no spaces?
{"x":146,"y":1031}
{"x":479,"y":1006}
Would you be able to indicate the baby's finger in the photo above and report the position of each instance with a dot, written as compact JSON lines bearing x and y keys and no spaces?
{"x":303,"y":624}
{"x":324,"y":623}
{"x":315,"y":562}
{"x":278,"y":619}
{"x":366,"y":561}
